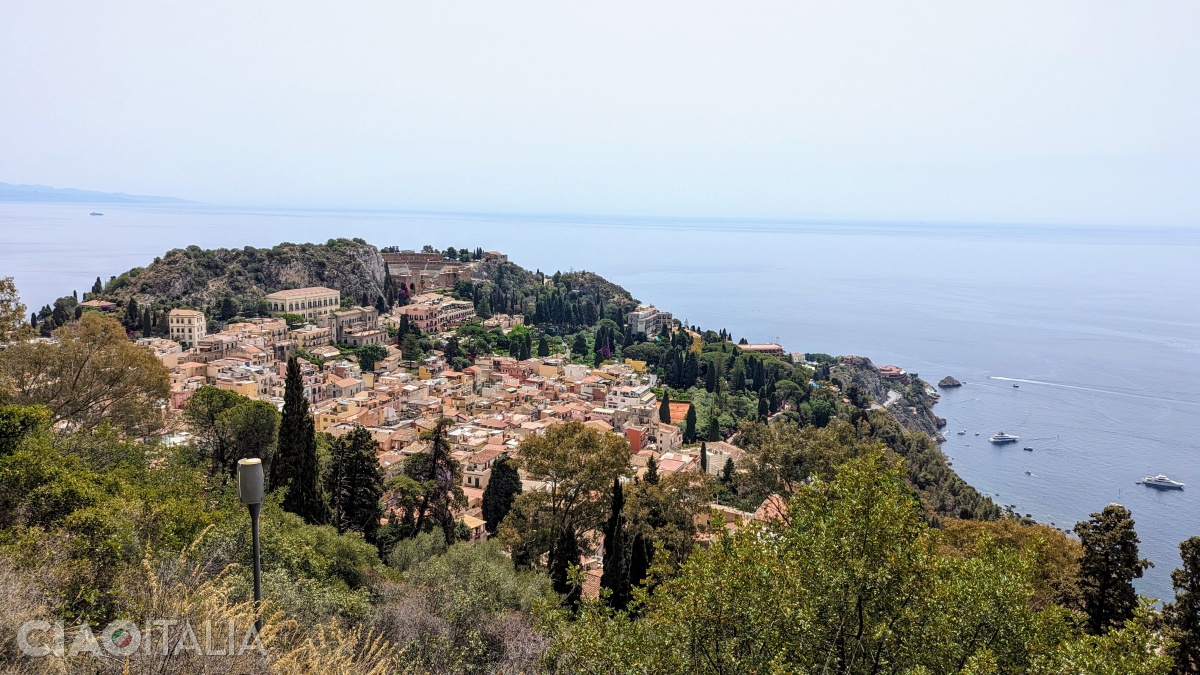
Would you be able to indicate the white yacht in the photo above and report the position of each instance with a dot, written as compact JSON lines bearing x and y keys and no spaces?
{"x":1002,"y":438}
{"x":1161,"y":481}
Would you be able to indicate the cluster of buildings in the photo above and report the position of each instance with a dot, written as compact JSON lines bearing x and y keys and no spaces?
{"x":495,"y":403}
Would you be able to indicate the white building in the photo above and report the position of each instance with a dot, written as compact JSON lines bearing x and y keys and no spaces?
{"x":187,"y":325}
{"x":647,"y":319}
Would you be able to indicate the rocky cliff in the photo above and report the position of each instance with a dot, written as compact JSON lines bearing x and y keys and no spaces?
{"x":203,"y":278}
{"x":910,"y":400}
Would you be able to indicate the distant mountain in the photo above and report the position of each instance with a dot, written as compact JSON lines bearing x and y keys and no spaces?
{"x":42,"y":193}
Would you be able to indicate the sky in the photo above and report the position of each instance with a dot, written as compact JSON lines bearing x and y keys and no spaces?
{"x":1009,"y":111}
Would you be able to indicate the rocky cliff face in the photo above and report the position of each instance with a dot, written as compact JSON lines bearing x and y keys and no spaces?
{"x":909,"y":400}
{"x":201,"y":278}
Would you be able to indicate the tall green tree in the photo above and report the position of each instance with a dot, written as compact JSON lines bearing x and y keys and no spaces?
{"x":232,"y":427}
{"x":97,"y":288}
{"x":651,"y":475}
{"x":689,"y":428}
{"x":578,"y":465}
{"x":296,"y":468}
{"x":1181,"y":619}
{"x":355,"y":484}
{"x":703,"y":457}
{"x":502,"y":490}
{"x":616,"y":553}
{"x":664,"y":408}
{"x":1109,"y":565}
{"x":543,"y":348}
{"x":369,"y":355}
{"x":439,"y":477}
{"x":133,"y":316}
{"x":579,"y":347}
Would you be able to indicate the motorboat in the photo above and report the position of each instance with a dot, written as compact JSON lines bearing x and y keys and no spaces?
{"x":1162,"y":482}
{"x":1002,"y":438}
{"x":95,"y":213}
{"x":1028,"y":449}
{"x":963,"y":432}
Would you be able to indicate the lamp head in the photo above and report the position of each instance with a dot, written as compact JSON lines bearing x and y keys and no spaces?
{"x":250,"y":480}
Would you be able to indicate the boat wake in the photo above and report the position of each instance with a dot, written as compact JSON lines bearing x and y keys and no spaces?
{"x":1098,"y":390}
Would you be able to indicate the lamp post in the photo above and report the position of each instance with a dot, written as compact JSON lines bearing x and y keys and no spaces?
{"x":250,"y":491}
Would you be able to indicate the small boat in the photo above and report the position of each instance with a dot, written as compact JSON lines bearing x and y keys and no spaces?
{"x":976,"y":433}
{"x":95,"y":213}
{"x":1016,"y":386}
{"x":1002,"y":438}
{"x":1162,"y":482}
{"x":1028,"y":473}
{"x":1028,"y":449}
{"x":963,"y":432}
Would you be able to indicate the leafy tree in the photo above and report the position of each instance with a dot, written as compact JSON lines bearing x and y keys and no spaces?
{"x":369,"y":355}
{"x":410,"y":347}
{"x":664,"y":408}
{"x":12,"y":312}
{"x":502,"y":490}
{"x":850,"y":585}
{"x":1109,"y":565}
{"x":579,"y":347}
{"x":1181,"y":619}
{"x":93,"y":375}
{"x":232,"y":427}
{"x":616,"y":553}
{"x":578,"y":464}
{"x":355,"y":484}
{"x":295,"y":467}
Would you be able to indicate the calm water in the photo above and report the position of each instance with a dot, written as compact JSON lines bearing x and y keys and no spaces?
{"x":1098,"y":325}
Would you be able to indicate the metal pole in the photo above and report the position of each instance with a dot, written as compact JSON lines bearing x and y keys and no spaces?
{"x":258,"y":622}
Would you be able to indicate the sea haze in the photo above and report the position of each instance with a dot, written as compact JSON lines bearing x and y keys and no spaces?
{"x":1097,"y":325}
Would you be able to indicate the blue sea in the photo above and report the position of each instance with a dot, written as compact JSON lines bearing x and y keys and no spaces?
{"x":1098,"y":326}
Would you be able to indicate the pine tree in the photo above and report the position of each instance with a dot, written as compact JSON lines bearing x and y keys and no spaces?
{"x":1181,"y":619}
{"x":441,"y":474}
{"x":355,"y":484}
{"x":502,"y":490}
{"x":295,"y":466}
{"x":616,"y":561}
{"x":664,"y":409}
{"x":689,"y":428}
{"x":1108,"y":567}
{"x":703,"y":457}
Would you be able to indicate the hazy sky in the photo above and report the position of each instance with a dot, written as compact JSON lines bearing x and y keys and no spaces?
{"x":1024,"y":111}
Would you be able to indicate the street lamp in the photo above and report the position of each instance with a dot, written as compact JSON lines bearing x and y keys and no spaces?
{"x":250,"y":491}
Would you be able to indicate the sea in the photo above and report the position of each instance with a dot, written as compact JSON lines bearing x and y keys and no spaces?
{"x":1082,"y":340}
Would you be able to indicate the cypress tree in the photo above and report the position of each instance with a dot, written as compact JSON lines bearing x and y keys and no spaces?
{"x":500,"y":493}
{"x":703,"y":457}
{"x":689,"y":429}
{"x":651,"y":477}
{"x":714,"y":426}
{"x":543,"y":347}
{"x":1181,"y":618}
{"x":616,"y":562}
{"x":97,"y":288}
{"x":381,"y":305}
{"x":147,"y":322}
{"x":710,"y":378}
{"x":1108,"y":567}
{"x":564,"y":552}
{"x":727,"y":472}
{"x":355,"y":484}
{"x":664,"y":409}
{"x":133,"y":318}
{"x":295,"y":467}
{"x":579,"y":346}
